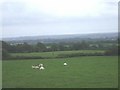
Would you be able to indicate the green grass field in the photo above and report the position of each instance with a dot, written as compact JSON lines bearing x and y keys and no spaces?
{"x":55,"y":53}
{"x":81,"y":72}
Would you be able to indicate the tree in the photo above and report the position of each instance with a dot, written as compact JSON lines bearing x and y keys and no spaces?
{"x":6,"y":46}
{"x":113,"y":51}
{"x":26,"y":47}
{"x":5,"y":54}
{"x":40,"y":47}
{"x":54,"y":47}
{"x":61,"y":47}
{"x":80,"y":46}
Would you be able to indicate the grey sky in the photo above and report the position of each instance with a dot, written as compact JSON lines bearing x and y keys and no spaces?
{"x":51,"y":17}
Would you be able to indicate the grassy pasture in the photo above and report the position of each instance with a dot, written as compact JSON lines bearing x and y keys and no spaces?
{"x":81,"y":72}
{"x":55,"y":53}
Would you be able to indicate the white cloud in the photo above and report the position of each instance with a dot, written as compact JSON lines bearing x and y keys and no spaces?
{"x":65,"y":8}
{"x":58,"y":16}
{"x":68,"y":8}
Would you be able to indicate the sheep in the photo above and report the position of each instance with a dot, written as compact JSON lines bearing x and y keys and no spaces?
{"x":65,"y":64}
{"x":35,"y":66}
{"x":41,"y":67}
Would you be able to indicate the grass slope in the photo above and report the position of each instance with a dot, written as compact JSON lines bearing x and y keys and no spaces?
{"x":81,"y":72}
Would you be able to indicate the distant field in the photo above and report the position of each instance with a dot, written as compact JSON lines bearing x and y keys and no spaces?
{"x":55,"y":53}
{"x":81,"y":72}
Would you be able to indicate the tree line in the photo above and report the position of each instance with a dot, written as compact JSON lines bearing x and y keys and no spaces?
{"x":41,"y":47}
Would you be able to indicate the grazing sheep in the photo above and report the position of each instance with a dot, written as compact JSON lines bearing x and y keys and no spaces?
{"x":65,"y":64}
{"x":41,"y":67}
{"x":35,"y":66}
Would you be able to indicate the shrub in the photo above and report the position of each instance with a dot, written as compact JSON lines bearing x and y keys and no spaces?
{"x":5,"y":54}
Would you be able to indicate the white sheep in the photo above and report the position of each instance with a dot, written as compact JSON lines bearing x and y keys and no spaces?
{"x":41,"y":67}
{"x":35,"y":67}
{"x":65,"y":64}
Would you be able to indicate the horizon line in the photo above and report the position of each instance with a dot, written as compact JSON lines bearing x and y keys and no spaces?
{"x":59,"y":34}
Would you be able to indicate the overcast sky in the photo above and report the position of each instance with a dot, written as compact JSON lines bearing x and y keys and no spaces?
{"x":56,"y":17}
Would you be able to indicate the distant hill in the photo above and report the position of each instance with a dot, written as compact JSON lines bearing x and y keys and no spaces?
{"x":56,"y":38}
